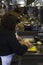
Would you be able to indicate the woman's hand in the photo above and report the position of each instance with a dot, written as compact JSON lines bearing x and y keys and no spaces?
{"x":28,"y":44}
{"x":23,"y":42}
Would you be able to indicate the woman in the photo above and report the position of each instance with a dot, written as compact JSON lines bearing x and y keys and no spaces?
{"x":10,"y":43}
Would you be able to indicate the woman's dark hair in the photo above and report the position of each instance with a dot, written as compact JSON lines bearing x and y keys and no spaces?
{"x":9,"y":22}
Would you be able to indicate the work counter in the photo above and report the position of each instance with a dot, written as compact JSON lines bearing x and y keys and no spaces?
{"x":31,"y":59}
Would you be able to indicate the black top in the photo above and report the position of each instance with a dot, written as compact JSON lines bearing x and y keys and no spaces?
{"x":9,"y":44}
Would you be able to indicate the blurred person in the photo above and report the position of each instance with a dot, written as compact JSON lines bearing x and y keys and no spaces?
{"x":41,"y":14}
{"x":11,"y":43}
{"x":2,"y":12}
{"x":35,"y":12}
